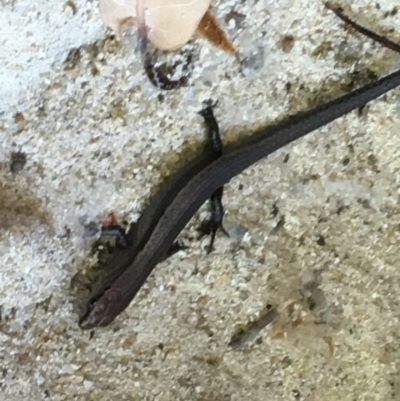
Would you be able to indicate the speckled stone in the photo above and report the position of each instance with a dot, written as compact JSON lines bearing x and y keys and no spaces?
{"x":319,"y":220}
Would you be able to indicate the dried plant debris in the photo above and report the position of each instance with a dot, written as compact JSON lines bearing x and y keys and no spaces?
{"x":210,"y":30}
{"x":251,"y":331}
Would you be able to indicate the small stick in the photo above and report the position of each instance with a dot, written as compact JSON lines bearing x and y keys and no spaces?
{"x":383,"y":40}
{"x":253,"y":329}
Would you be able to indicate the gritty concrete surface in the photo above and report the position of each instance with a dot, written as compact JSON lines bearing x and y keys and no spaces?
{"x":315,"y":228}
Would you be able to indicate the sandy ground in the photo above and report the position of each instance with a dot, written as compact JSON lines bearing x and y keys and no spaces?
{"x":317,"y":224}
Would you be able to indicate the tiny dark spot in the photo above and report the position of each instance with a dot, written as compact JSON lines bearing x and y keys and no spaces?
{"x":275,"y":210}
{"x":311,"y":303}
{"x":91,"y":334}
{"x":286,"y":362}
{"x":296,"y":394}
{"x":4,"y":372}
{"x":240,"y":188}
{"x":286,"y":158}
{"x":12,"y":314}
{"x":372,"y":159}
{"x":20,"y":120}
{"x":339,"y":210}
{"x":350,"y":331}
{"x":237,"y":17}
{"x":346,"y":161}
{"x":364,"y":203}
{"x":312,"y":177}
{"x":160,"y":97}
{"x":268,"y":306}
{"x":280,"y":224}
{"x":41,"y":111}
{"x":288,"y":86}
{"x":259,"y":341}
{"x":90,"y":230}
{"x":390,"y":13}
{"x":286,"y":43}
{"x":44,"y":304}
{"x":160,"y":346}
{"x":19,"y":117}
{"x":360,"y":110}
{"x":94,"y":71}
{"x":26,"y":325}
{"x":46,"y":393}
{"x":373,"y":162}
{"x":321,"y":241}
{"x":17,"y":161}
{"x":73,"y":59}
{"x":72,"y":6}
{"x":212,"y":361}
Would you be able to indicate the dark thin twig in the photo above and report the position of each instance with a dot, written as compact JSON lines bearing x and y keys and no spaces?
{"x":384,"y":41}
{"x":253,"y":329}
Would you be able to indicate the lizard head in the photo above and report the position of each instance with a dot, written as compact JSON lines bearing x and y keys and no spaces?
{"x":102,"y":312}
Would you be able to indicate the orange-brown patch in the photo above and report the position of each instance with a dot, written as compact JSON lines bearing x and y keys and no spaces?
{"x":210,"y":30}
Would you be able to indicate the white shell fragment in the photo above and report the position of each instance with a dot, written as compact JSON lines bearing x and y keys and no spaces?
{"x":169,"y":23}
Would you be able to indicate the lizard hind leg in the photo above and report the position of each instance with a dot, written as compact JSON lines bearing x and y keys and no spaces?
{"x":216,"y":147}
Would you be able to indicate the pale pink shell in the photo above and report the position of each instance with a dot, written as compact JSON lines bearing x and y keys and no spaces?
{"x":170,"y":23}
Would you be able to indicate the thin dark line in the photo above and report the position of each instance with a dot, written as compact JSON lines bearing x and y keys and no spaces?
{"x":383,"y":40}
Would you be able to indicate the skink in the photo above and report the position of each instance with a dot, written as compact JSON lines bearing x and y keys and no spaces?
{"x":209,"y":179}
{"x":140,"y":231}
